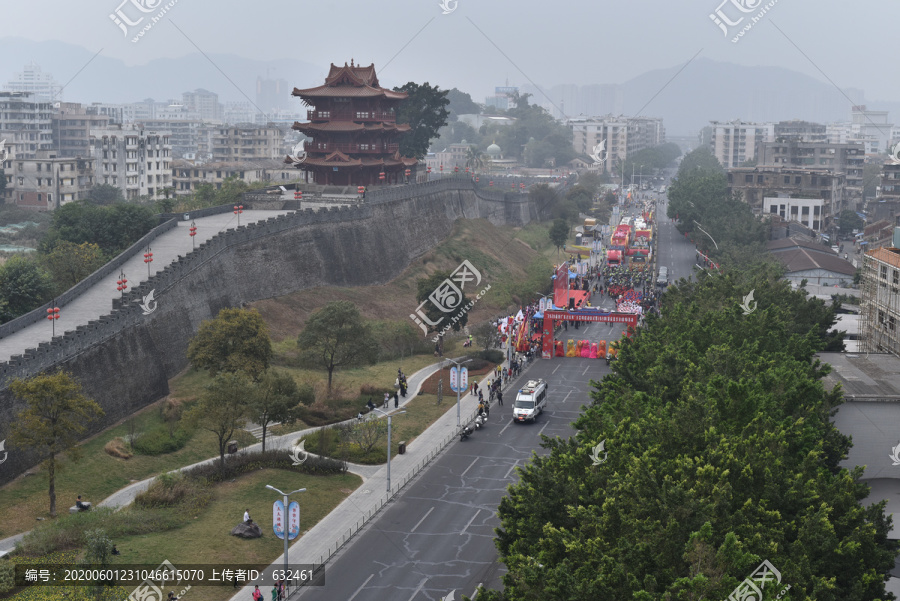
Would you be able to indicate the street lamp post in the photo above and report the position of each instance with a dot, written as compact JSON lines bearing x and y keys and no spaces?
{"x":389,"y":416}
{"x":286,"y":522}
{"x":458,"y":382}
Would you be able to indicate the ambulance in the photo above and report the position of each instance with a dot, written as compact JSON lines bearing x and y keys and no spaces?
{"x":530,"y":401}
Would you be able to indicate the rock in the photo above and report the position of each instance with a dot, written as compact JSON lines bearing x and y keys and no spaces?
{"x":247,"y":530}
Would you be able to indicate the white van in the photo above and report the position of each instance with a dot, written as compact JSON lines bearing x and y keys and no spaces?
{"x":530,"y":401}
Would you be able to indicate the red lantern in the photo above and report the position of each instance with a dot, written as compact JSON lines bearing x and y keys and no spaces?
{"x":381,"y":176}
{"x":442,"y":167}
{"x":298,"y":194}
{"x":456,"y":169}
{"x":467,"y":169}
{"x":408,"y":172}
{"x":491,"y":183}
{"x":238,"y":209}
{"x":428,"y":170}
{"x":360,"y":189}
{"x":192,"y":230}
{"x":476,"y":179}
{"x":53,"y":313}
{"x":148,"y":257}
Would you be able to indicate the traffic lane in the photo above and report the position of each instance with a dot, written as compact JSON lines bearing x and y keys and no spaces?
{"x":438,"y":535}
{"x":674,"y":250}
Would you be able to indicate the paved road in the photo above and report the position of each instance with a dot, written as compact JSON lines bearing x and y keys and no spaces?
{"x":97,"y":301}
{"x":438,"y":534}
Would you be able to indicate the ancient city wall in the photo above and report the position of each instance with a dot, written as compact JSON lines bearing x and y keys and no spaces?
{"x":124,"y":359}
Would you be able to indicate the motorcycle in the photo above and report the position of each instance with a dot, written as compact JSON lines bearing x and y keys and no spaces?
{"x":480,"y":421}
{"x":464,"y":433}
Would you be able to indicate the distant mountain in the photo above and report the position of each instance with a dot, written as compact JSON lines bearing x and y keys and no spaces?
{"x":110,"y":80}
{"x":705,"y":90}
{"x":709,"y":90}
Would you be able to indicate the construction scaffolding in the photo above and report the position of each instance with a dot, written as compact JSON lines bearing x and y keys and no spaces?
{"x":879,"y":327}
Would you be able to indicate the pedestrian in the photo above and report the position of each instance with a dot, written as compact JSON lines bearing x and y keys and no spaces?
{"x":500,"y":398}
{"x":257,"y":596}
{"x":247,"y":519}
{"x":396,"y":400}
{"x":480,"y":397}
{"x":387,"y":399}
{"x":275,"y":592}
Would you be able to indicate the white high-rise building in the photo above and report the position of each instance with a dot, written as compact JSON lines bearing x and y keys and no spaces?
{"x":41,"y":85}
{"x":623,"y":136}
{"x":135,"y":160}
{"x":733,"y":143}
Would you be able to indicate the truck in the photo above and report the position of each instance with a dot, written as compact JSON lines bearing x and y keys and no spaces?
{"x":641,"y":247}
{"x":530,"y":401}
{"x":589,"y":224}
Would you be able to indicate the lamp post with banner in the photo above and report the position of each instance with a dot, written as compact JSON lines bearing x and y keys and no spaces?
{"x":389,"y":415}
{"x":286,"y":520}
{"x":459,"y":380}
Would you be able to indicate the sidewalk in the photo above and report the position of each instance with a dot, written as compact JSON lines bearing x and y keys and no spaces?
{"x":365,"y":501}
{"x":345,"y":520}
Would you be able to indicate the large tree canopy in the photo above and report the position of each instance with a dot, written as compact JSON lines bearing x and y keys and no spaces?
{"x":237,"y":340}
{"x":721,"y":454}
{"x":425,"y":111}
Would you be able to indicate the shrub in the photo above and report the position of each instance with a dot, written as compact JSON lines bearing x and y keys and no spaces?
{"x":174,"y":490}
{"x":159,"y":441}
{"x":7,"y":576}
{"x":491,"y":356}
{"x":367,"y":390}
{"x":98,"y":547}
{"x":243,"y":463}
{"x":477,"y":364}
{"x":117,"y":447}
{"x":68,"y":532}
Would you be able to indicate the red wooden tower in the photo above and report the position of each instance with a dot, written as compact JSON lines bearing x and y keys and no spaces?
{"x":352,"y":123}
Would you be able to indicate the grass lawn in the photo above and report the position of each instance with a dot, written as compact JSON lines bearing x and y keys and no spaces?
{"x":96,"y":476}
{"x":208,"y":539}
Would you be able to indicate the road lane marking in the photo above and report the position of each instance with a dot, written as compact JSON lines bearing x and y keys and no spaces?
{"x":505,"y":427}
{"x":554,"y":370}
{"x":468,"y":468}
{"x":475,"y":594}
{"x":422,"y":520}
{"x":586,"y":370}
{"x":511,"y":469}
{"x":470,"y":522}
{"x":416,"y":592}
{"x":361,"y":587}
{"x":542,"y":429}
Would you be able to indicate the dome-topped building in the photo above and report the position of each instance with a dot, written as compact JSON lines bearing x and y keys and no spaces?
{"x":494,"y":151}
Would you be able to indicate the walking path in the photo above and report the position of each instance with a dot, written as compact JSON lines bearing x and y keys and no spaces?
{"x":326,"y":537}
{"x":97,"y":300}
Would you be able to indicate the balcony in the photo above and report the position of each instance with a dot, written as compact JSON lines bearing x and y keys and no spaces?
{"x":351,"y":115}
{"x":350,"y":148}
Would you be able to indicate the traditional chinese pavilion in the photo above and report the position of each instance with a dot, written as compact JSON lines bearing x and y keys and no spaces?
{"x":353,"y":128}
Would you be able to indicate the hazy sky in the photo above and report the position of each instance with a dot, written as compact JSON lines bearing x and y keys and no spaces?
{"x":483,"y":42}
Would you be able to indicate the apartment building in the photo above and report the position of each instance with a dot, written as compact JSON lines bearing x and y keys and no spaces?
{"x":34,"y":81}
{"x":880,"y":300}
{"x":889,"y":190}
{"x":800,"y":131}
{"x":755,"y":184}
{"x":229,"y":144}
{"x":72,"y":124}
{"x":187,"y":176}
{"x":794,"y":152}
{"x":135,"y":160}
{"x":734,"y":143}
{"x":204,"y":104}
{"x":47,"y":181}
{"x":623,"y":136}
{"x":26,"y":123}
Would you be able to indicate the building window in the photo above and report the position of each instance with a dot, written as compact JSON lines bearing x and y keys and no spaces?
{"x":895,"y":276}
{"x":787,"y":179}
{"x":797,"y":180}
{"x":884,"y":272}
{"x":748,"y":179}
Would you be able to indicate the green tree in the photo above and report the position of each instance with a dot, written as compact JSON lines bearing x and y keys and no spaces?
{"x":582,"y":198}
{"x":222,"y":408}
{"x":105,"y":194}
{"x":69,"y":263}
{"x":237,"y":340}
{"x":337,"y":336}
{"x":425,"y":111}
{"x":166,"y":205}
{"x":474,"y":160}
{"x":461,"y":103}
{"x":56,"y":414}
{"x":232,"y":191}
{"x":850,"y":221}
{"x":2,"y":183}
{"x":277,"y":399}
{"x":719,"y":424}
{"x":24,"y":286}
{"x":701,"y":158}
{"x":559,"y":233}
{"x":113,"y":228}
{"x":458,"y":311}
